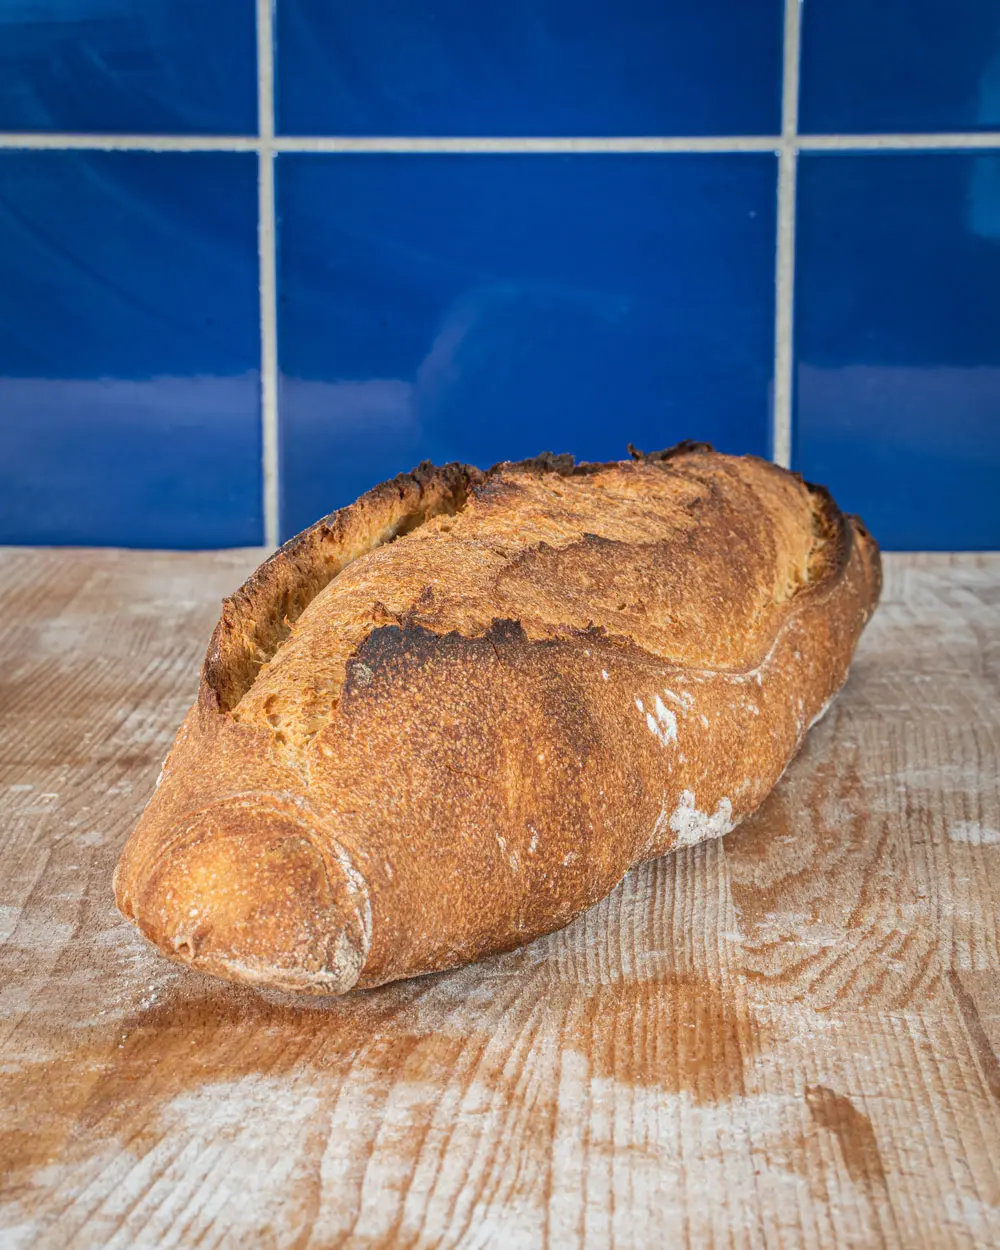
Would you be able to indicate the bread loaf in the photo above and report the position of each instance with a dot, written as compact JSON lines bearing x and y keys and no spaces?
{"x":451,"y":716}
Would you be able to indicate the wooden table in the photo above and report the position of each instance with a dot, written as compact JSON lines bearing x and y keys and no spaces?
{"x":785,"y":1039}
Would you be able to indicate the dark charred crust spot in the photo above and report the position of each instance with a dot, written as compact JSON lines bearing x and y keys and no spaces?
{"x":562,"y":464}
{"x":547,"y":462}
{"x":504,"y":631}
{"x":391,"y":649}
{"x":388,"y":642}
{"x":688,"y":446}
{"x":385,"y":650}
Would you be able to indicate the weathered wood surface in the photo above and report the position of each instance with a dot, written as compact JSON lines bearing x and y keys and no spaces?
{"x":786,"y":1039}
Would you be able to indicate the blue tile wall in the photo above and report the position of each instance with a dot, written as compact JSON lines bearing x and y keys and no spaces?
{"x":129,"y":388}
{"x":484,"y":307}
{"x":155,"y":67}
{"x":900,"y":65}
{"x":898,"y":374}
{"x":496,"y":229}
{"x":529,"y":67}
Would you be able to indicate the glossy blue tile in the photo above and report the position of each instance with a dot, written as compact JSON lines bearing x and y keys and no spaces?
{"x":898,"y":373}
{"x":490,"y":307}
{"x":544,"y":67}
{"x":129,"y":410}
{"x":156,"y":67}
{"x":900,"y":65}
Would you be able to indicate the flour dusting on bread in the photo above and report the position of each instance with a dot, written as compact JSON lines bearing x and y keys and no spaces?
{"x":450,"y":717}
{"x":693,"y":826}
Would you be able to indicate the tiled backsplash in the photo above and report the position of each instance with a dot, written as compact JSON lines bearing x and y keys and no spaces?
{"x":252,"y":262}
{"x":529,"y":67}
{"x":481,"y":307}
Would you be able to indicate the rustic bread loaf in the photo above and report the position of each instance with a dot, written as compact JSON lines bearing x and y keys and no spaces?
{"x":450,"y":717}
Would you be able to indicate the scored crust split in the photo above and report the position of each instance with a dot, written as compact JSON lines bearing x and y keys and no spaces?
{"x":450,"y":717}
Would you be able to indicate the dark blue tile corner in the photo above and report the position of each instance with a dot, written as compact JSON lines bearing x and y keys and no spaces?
{"x":898,"y":355}
{"x":899,"y":65}
{"x":550,"y":67}
{"x":490,"y":307}
{"x":159,"y":67}
{"x":129,"y":349}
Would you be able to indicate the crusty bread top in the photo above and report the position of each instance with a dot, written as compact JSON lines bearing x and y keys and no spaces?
{"x":687,"y":555}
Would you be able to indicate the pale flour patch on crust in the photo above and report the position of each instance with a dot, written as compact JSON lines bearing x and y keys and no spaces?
{"x":685,"y":700}
{"x":662,"y":725}
{"x":693,"y":826}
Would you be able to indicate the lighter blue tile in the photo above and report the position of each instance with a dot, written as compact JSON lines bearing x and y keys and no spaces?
{"x":898,"y":375}
{"x":900,"y":65}
{"x":129,"y":409}
{"x":155,"y":67}
{"x":544,"y":67}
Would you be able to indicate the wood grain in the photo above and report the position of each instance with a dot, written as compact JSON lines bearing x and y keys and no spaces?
{"x":786,"y":1039}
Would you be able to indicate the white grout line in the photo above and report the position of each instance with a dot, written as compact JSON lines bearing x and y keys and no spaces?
{"x":620,"y":143}
{"x":899,"y":143}
{"x":784,"y":266}
{"x":267,"y":259}
{"x":942,"y":142}
{"x":129,"y":142}
{"x":386,"y":143}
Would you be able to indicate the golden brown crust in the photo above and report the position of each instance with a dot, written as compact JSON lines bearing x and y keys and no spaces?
{"x":450,"y":717}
